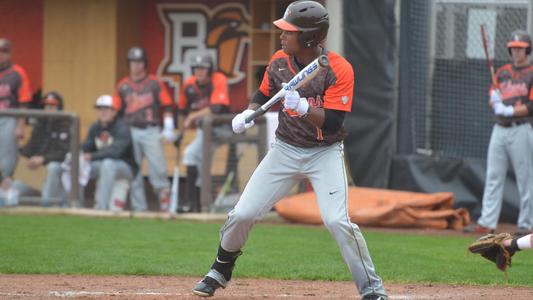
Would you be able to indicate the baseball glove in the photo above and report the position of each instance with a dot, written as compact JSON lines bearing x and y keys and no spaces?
{"x":491,"y":247}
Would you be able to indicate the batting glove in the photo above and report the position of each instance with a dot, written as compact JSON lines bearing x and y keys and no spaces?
{"x":501,"y":109}
{"x":168,"y":129}
{"x":495,"y":96}
{"x":295,"y":103}
{"x":239,"y":124}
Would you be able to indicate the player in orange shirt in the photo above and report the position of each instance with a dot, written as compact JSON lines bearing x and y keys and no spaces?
{"x":309,"y":144}
{"x":204,"y":93}
{"x":141,"y":96}
{"x":14,"y":93}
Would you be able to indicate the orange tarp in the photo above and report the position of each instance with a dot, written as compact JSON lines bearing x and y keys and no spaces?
{"x":388,"y":208}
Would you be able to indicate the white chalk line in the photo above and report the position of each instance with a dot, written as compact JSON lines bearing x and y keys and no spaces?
{"x":74,"y":294}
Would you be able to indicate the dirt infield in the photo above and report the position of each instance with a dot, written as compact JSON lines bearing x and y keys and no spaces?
{"x":170,"y":287}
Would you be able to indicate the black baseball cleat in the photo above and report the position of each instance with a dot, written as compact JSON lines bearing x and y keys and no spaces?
{"x":206,"y":287}
{"x":374,"y":297}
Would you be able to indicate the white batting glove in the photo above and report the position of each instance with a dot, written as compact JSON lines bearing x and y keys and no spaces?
{"x":501,"y":109}
{"x":495,"y":96}
{"x":295,"y":103}
{"x":239,"y":124}
{"x":168,"y":129}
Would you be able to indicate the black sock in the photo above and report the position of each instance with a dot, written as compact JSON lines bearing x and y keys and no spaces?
{"x":225,"y":262}
{"x":190,"y":187}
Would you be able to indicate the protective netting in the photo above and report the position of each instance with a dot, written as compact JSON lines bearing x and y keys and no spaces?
{"x":449,"y":74}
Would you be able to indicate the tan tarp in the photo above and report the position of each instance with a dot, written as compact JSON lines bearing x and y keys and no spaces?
{"x":376,"y":207}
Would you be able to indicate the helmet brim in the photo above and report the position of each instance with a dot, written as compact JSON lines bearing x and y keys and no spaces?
{"x":517,"y":44}
{"x":284,"y":25}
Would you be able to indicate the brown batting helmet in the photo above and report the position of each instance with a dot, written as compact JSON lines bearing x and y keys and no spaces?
{"x":5,"y":45}
{"x":137,"y":54}
{"x":202,"y":61}
{"x":310,"y":18}
{"x":519,"y":39}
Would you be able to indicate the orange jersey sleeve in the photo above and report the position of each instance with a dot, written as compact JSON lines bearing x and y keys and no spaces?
{"x":117,"y":102}
{"x":24,"y":93}
{"x":164,"y":96}
{"x":264,"y":88}
{"x":220,"y":89}
{"x":339,"y":95}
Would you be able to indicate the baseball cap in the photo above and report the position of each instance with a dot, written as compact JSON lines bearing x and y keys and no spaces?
{"x":52,"y":98}
{"x":104,"y":101}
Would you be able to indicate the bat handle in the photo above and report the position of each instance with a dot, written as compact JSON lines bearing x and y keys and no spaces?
{"x":260,"y":111}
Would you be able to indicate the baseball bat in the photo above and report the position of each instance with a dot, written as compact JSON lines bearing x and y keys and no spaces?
{"x":490,"y":65}
{"x":306,"y":74}
{"x":174,"y":189}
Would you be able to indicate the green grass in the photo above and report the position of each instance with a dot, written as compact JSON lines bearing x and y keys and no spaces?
{"x":79,"y":245}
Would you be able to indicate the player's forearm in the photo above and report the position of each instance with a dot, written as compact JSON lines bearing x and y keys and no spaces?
{"x":200,"y":114}
{"x":168,"y":113}
{"x":521,"y":111}
{"x":316,"y":116}
{"x":253,"y":106}
{"x":181,"y":122}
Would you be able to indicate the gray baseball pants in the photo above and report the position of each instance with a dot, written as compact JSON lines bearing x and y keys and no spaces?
{"x":147,"y":143}
{"x":8,"y":147}
{"x":508,"y":146}
{"x":282,"y":168}
{"x":192,"y":155}
{"x":106,"y":172}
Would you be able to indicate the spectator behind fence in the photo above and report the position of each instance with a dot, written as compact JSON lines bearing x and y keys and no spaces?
{"x":512,"y":103}
{"x":14,"y":93}
{"x":48,"y":145}
{"x":109,"y":148}
{"x":142,"y":96}
{"x":204,"y":93}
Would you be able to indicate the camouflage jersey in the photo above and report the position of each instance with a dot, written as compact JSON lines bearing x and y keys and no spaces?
{"x":332,"y":88}
{"x":516,"y":86}
{"x":194,"y":97}
{"x":14,"y":87}
{"x":141,"y":101}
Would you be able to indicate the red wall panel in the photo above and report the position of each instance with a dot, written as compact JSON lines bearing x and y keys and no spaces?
{"x":21,"y":21}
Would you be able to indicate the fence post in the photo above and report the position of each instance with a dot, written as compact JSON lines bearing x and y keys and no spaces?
{"x":75,"y":163}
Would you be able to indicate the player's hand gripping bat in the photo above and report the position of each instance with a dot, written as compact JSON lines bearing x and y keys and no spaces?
{"x":306,"y":74}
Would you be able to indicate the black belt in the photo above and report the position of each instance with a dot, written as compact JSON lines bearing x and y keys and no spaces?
{"x":143,"y":125}
{"x":512,"y":124}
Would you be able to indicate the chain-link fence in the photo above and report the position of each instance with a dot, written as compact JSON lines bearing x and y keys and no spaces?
{"x":448,"y":71}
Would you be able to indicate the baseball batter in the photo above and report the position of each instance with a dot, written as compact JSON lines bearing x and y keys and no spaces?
{"x":512,"y":102}
{"x":309,"y":144}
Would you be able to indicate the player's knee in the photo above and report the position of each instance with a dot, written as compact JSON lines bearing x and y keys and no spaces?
{"x":108,"y":166}
{"x":243,"y":216}
{"x":54,"y":167}
{"x":333,"y":223}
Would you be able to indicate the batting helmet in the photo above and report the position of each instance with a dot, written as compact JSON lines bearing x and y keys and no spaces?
{"x":5,"y":45}
{"x":310,"y":18}
{"x":137,"y":54}
{"x":202,"y":61}
{"x":519,"y":39}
